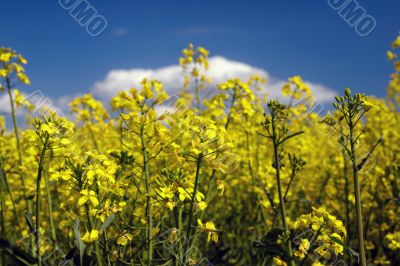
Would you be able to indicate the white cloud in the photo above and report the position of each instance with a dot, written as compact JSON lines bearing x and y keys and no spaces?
{"x":43,"y":104}
{"x":220,"y":70}
{"x":4,"y":103}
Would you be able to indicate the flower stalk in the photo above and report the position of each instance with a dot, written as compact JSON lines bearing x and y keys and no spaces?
{"x":282,"y":209}
{"x":193,"y":200}
{"x":148,"y":192}
{"x":360,"y":227}
{"x":275,"y":125}
{"x":351,"y":109}
{"x":38,"y":205}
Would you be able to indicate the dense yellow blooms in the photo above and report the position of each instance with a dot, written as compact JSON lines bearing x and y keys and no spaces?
{"x":177,"y":181}
{"x":210,"y":228}
{"x":91,"y":236}
{"x":12,"y":63}
{"x":394,"y":240}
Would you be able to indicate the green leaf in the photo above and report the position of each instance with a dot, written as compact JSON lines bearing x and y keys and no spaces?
{"x":29,"y":222}
{"x":274,"y":234}
{"x":269,"y":246}
{"x":3,"y":181}
{"x":349,"y":250}
{"x":107,"y":223}
{"x":16,"y":254}
{"x":78,"y":242}
{"x":364,"y":160}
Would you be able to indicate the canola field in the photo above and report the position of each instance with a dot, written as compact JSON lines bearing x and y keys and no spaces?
{"x":234,"y":178}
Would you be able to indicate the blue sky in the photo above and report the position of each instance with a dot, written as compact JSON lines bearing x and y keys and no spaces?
{"x":285,"y":38}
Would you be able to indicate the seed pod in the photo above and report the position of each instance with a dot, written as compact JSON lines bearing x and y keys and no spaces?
{"x":347,"y":92}
{"x":336,"y":105}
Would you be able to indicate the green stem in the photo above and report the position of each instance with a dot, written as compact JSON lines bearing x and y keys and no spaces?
{"x":228,"y":120}
{"x":346,"y":188}
{"x":281,"y":201}
{"x":253,"y":179}
{"x":15,"y":212}
{"x":148,"y":200}
{"x":96,"y":244}
{"x":38,"y":181}
{"x":178,"y":225}
{"x":346,"y":200}
{"x":192,"y":204}
{"x":3,"y":229}
{"x":16,"y":133}
{"x":105,"y":249}
{"x":8,"y":189}
{"x":360,"y":227}
{"x":50,"y":206}
{"x":180,"y":233}
{"x":214,"y":172}
{"x":31,"y":236}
